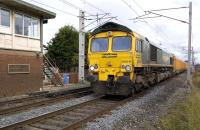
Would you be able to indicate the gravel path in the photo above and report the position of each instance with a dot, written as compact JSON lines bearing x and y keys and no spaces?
{"x":8,"y":120}
{"x":143,"y":113}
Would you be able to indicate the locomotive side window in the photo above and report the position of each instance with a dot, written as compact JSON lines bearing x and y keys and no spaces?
{"x":99,"y":45}
{"x":153,"y":53}
{"x":121,"y":44}
{"x":138,"y":45}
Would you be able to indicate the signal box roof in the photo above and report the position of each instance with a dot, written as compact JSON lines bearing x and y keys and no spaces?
{"x":23,"y":6}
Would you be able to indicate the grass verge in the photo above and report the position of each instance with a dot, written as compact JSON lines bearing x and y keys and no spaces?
{"x":185,"y":115}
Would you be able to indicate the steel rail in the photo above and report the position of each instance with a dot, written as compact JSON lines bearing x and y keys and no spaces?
{"x":43,"y":102}
{"x":42,"y":94}
{"x":47,"y":115}
{"x":105,"y":110}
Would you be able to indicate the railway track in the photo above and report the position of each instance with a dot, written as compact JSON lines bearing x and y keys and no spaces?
{"x":71,"y":117}
{"x":75,"y":116}
{"x":22,"y":99}
{"x":24,"y":104}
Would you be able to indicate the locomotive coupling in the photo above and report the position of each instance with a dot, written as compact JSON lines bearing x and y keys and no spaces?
{"x":123,"y":79}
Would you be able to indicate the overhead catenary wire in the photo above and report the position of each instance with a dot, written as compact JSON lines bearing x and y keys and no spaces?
{"x":168,"y":9}
{"x":65,"y":12}
{"x":149,"y":17}
{"x":103,"y":12}
{"x":89,"y":14}
{"x":147,"y":23}
{"x":168,"y":17}
{"x":165,"y":9}
{"x":103,"y":23}
{"x":93,"y":6}
{"x":130,"y":7}
{"x":103,"y":17}
{"x":74,"y":6}
{"x":138,"y":5}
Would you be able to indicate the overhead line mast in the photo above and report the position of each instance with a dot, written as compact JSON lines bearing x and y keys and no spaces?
{"x":81,"y":58}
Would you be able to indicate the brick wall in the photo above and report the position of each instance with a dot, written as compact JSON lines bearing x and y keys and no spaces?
{"x":16,"y":84}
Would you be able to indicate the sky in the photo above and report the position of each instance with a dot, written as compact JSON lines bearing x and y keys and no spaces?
{"x":171,"y":35}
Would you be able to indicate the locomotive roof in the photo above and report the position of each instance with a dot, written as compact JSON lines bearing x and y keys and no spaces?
{"x":111,"y":26}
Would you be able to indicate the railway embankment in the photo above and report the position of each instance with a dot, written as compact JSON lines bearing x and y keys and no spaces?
{"x":185,"y":115}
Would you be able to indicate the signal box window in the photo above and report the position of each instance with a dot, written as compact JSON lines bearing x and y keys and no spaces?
{"x":99,"y":45}
{"x":5,"y":17}
{"x":121,"y":44}
{"x":19,"y":24}
{"x":26,"y":25}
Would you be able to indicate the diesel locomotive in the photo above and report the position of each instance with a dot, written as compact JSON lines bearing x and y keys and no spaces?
{"x":122,"y":62}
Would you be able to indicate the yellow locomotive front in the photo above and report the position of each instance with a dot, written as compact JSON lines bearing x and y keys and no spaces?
{"x":110,"y":57}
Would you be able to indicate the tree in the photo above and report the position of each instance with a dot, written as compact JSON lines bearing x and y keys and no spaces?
{"x":63,"y":49}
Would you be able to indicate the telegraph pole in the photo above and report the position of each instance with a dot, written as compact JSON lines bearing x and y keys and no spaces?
{"x":81,"y":47}
{"x":189,"y":43}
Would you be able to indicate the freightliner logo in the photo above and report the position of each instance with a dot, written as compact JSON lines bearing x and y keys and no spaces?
{"x":109,"y":55}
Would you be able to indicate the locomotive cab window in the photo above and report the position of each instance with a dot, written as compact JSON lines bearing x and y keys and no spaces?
{"x":138,"y":45}
{"x":99,"y":45}
{"x":121,"y":43}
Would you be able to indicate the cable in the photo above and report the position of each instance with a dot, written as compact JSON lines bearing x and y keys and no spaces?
{"x":157,"y":10}
{"x":101,"y":10}
{"x":138,"y":5}
{"x":93,"y":6}
{"x":105,"y":12}
{"x":168,"y":9}
{"x":74,"y":6}
{"x":70,"y":4}
{"x":102,"y":23}
{"x":93,"y":22}
{"x":54,"y":8}
{"x":144,"y":20}
{"x":130,"y":7}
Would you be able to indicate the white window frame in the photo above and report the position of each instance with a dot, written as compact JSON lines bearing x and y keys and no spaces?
{"x":9,"y":17}
{"x":32,"y":18}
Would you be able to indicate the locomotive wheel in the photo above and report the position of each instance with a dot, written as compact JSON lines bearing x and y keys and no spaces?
{"x":137,"y":87}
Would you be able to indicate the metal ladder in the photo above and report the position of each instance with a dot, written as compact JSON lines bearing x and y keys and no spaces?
{"x":51,"y":71}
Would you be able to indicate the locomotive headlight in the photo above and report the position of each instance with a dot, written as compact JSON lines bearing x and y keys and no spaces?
{"x":92,"y":68}
{"x":128,"y":68}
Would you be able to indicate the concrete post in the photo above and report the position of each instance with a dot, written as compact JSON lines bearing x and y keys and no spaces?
{"x":81,"y":46}
{"x":189,"y":42}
